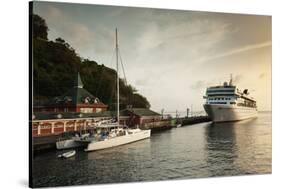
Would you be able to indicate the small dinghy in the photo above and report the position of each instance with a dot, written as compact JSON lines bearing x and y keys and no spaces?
{"x":67,"y":154}
{"x":179,"y":125}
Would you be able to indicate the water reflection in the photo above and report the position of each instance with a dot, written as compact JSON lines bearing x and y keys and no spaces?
{"x":231,"y":148}
{"x":196,"y":151}
{"x":119,"y":164}
{"x":221,"y":149}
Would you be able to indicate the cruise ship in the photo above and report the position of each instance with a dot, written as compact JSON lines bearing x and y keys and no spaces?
{"x":227,"y":103}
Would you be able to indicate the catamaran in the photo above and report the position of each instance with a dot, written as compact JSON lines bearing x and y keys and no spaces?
{"x":115,"y":134}
{"x":80,"y":139}
{"x":72,"y":142}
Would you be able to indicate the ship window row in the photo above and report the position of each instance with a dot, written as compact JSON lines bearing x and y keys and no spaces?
{"x":245,"y":104}
{"x":220,"y":98}
{"x":208,"y":91}
{"x":217,"y":103}
{"x":220,"y":94}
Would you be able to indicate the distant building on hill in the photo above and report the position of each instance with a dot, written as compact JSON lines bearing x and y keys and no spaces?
{"x":77,"y":99}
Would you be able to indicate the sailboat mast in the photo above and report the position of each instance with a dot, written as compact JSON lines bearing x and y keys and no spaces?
{"x":117,"y":79}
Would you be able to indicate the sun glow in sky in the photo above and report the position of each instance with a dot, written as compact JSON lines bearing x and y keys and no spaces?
{"x":170,"y":56}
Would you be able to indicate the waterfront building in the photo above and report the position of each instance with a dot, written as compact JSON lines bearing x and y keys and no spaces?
{"x":76,"y":99}
{"x":140,"y":116}
{"x":54,"y":123}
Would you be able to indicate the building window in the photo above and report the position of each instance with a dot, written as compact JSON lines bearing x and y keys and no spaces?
{"x":86,"y":110}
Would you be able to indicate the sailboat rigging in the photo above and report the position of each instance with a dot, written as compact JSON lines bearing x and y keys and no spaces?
{"x":117,"y":134}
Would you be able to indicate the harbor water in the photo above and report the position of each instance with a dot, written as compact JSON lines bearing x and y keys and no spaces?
{"x":195,"y":151}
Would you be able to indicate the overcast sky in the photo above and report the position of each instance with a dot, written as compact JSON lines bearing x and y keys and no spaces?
{"x":170,"y":56}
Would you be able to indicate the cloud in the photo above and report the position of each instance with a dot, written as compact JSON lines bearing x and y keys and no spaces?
{"x":53,"y":12}
{"x":262,"y":75}
{"x":85,"y":40}
{"x":238,"y":50}
{"x":201,"y":84}
{"x":141,"y":82}
{"x":237,"y":78}
{"x":198,"y":85}
{"x":180,"y":42}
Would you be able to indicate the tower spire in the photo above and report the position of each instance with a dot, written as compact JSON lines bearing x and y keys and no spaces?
{"x":78,"y":82}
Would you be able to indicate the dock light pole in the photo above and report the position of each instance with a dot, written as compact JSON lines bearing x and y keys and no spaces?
{"x":187,"y":112}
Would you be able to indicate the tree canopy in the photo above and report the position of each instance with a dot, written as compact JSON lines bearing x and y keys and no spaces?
{"x":40,"y":28}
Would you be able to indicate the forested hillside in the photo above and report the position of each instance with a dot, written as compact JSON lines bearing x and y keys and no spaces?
{"x":55,"y":67}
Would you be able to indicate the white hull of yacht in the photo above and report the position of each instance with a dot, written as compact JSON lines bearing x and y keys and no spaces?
{"x":117,"y":141}
{"x":67,"y":144}
{"x":225,"y":113}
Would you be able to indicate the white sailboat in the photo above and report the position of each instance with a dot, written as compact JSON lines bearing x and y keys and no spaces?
{"x":62,"y":144}
{"x":117,"y":134}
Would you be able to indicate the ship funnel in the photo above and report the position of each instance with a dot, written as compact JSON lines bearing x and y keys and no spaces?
{"x":246,"y":91}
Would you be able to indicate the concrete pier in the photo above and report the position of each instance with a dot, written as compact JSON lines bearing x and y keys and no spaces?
{"x":194,"y":120}
{"x":43,"y":143}
{"x":158,"y":125}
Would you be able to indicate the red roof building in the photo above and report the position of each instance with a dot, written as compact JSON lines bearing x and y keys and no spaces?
{"x":77,"y":99}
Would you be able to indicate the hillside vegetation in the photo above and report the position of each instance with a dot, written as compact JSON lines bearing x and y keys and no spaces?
{"x":55,"y":67}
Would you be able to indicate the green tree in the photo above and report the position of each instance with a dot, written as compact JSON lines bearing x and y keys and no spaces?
{"x":40,"y":28}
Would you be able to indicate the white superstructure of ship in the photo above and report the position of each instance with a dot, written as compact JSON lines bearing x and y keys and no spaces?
{"x":227,"y":103}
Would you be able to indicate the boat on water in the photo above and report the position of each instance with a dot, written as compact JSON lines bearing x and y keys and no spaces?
{"x":179,"y":125}
{"x":115,"y":134}
{"x":67,"y":154}
{"x":227,"y":103}
{"x":80,"y":139}
{"x":71,"y":142}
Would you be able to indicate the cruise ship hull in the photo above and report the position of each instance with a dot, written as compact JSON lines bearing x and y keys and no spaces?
{"x":224,"y":113}
{"x":117,"y":141}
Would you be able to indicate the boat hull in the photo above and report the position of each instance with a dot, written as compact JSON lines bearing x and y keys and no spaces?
{"x":117,"y":141}
{"x":225,"y":113}
{"x":68,"y":144}
{"x":67,"y":154}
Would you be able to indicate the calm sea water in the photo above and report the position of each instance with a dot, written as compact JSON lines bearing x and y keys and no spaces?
{"x":196,"y":151}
